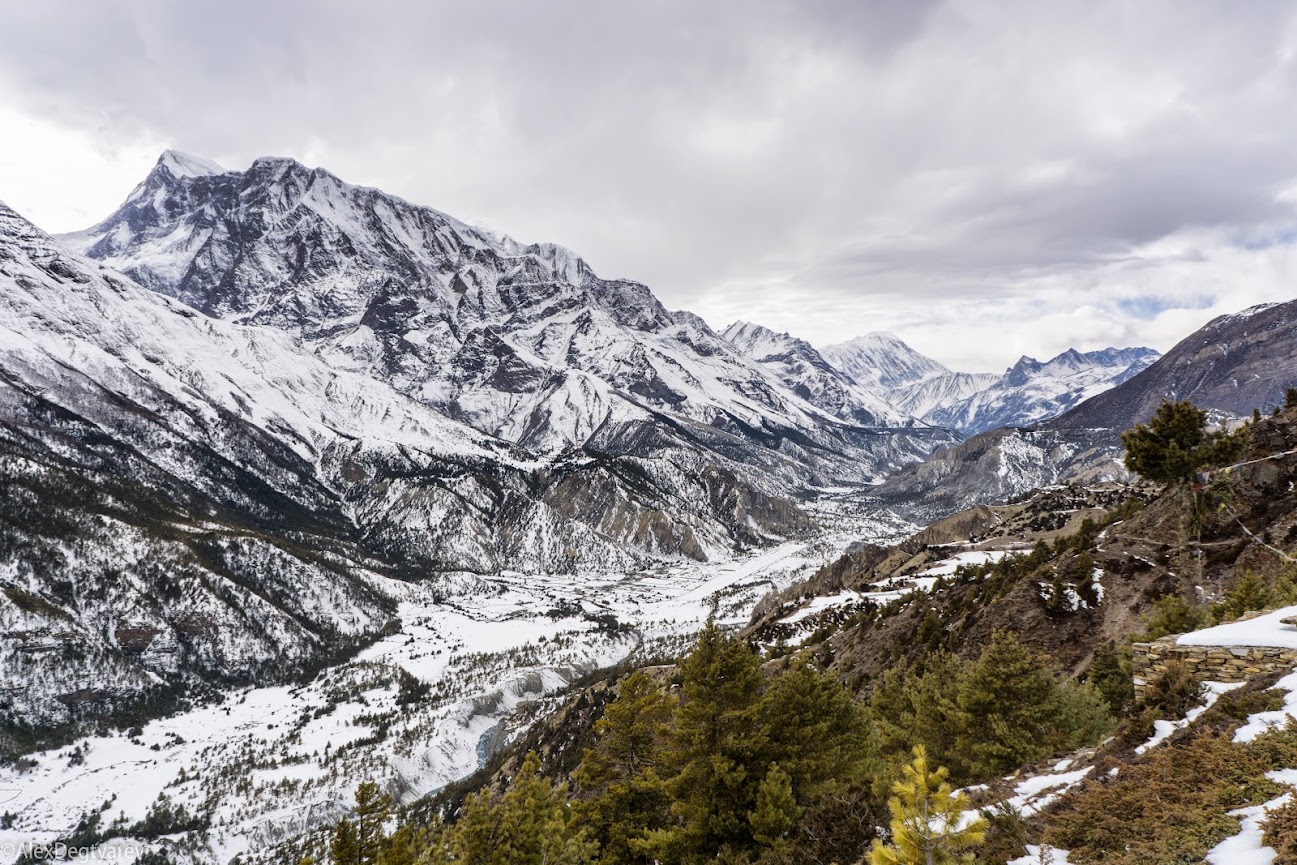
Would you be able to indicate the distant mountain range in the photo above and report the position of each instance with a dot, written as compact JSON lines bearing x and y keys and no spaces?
{"x":1233,"y":365}
{"x":879,"y":376}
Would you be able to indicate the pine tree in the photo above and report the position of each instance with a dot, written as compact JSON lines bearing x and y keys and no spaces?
{"x":624,"y":799}
{"x":528,"y":826}
{"x":926,"y":820}
{"x":715,"y":741}
{"x":777,"y":811}
{"x":1058,"y":601}
{"x":1007,"y":708}
{"x":1249,"y":593}
{"x":1175,"y":442}
{"x":1086,"y":588}
{"x":916,"y":706}
{"x":373,"y":810}
{"x":344,"y":849}
{"x":402,"y":847}
{"x":1112,"y":678}
{"x":816,"y":732}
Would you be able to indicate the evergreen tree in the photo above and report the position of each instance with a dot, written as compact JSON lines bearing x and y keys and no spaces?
{"x":1249,"y":593}
{"x":1290,"y":398}
{"x":816,"y":732}
{"x":926,"y":821}
{"x":1175,"y":442}
{"x":1058,"y":601}
{"x":1172,"y":614}
{"x":1086,"y":588}
{"x":402,"y":847}
{"x":777,"y":811}
{"x":1007,"y":708}
{"x":624,"y":798}
{"x":373,"y":810}
{"x":1110,"y":674}
{"x":715,"y":742}
{"x":528,"y":826}
{"x":344,"y":848}
{"x":916,"y":706}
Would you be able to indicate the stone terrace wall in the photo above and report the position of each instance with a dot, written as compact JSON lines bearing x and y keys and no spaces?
{"x":1209,"y":663}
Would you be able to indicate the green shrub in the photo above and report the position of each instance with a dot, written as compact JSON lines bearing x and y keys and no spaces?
{"x":1172,"y":614}
{"x":1174,"y":692}
{"x":1171,"y":807}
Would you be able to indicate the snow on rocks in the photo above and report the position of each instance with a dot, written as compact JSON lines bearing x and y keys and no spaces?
{"x":1266,"y":630}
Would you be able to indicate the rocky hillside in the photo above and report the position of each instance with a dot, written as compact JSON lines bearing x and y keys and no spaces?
{"x":1231,"y":366}
{"x":981,"y":569}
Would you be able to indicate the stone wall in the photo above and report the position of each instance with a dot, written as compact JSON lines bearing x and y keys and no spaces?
{"x":1209,"y":663}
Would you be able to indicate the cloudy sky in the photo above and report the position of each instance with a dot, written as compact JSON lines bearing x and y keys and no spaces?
{"x":984,"y":179}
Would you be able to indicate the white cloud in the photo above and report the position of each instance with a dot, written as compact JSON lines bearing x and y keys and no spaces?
{"x":985,"y":178}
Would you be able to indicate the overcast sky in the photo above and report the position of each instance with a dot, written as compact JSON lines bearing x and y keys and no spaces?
{"x":983,"y":179}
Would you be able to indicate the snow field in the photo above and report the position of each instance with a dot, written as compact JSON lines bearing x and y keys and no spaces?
{"x":271,"y":763}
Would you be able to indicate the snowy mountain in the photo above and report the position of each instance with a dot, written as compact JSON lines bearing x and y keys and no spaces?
{"x":191,"y":501}
{"x":523,"y":342}
{"x":927,"y":396}
{"x":1233,"y":364}
{"x":805,"y":371}
{"x":881,"y":362}
{"x":196,"y":506}
{"x":1030,"y":392}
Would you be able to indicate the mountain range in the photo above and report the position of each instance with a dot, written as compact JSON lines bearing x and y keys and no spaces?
{"x":248,"y":414}
{"x":878,"y":376}
{"x":272,"y":365}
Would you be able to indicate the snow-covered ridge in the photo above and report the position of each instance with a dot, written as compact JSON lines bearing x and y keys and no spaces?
{"x":523,"y":342}
{"x":799,"y":366}
{"x":1032,"y":391}
{"x":882,"y":361}
{"x":184,"y":165}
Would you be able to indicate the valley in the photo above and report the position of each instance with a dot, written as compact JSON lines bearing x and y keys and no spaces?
{"x":475,"y":661}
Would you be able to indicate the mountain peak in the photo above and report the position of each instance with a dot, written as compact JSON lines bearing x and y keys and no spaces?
{"x":882,"y":361}
{"x":276,"y":163}
{"x":183,"y":165}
